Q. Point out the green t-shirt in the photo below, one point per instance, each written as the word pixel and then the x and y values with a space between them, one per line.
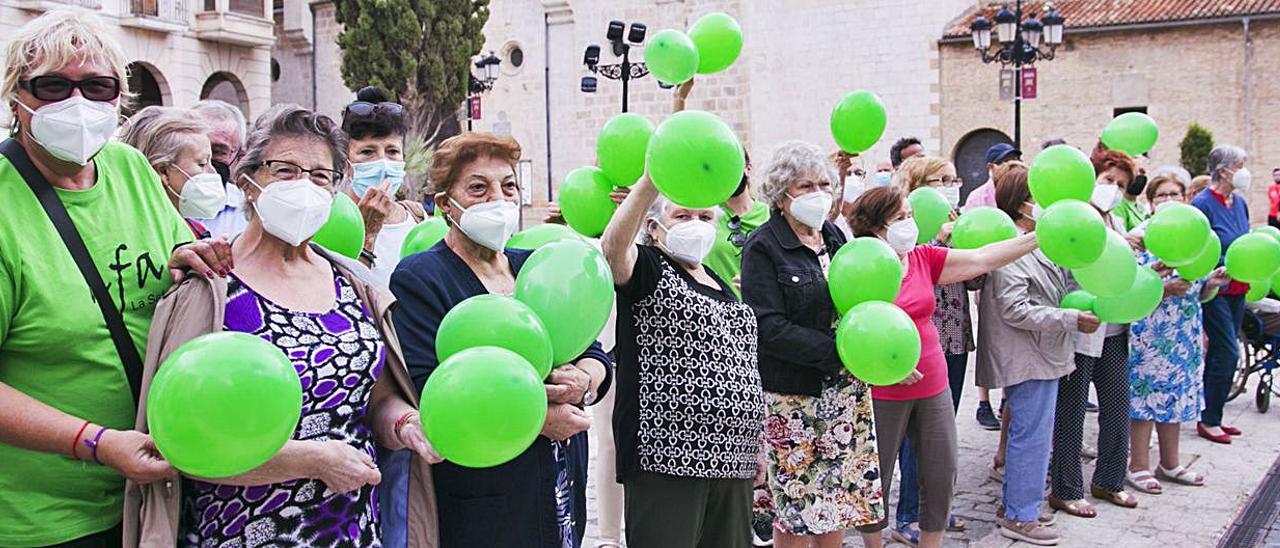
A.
pixel 1131 213
pixel 54 344
pixel 725 257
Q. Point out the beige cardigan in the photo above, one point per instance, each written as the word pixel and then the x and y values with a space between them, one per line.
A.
pixel 1022 333
pixel 195 307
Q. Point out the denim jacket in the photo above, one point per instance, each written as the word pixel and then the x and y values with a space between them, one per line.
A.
pixel 783 281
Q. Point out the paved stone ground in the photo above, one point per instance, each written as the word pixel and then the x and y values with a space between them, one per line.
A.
pixel 1182 516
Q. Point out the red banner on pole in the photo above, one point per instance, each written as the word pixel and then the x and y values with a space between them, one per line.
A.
pixel 473 107
pixel 1028 82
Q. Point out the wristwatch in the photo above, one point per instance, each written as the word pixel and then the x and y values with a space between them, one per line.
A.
pixel 588 397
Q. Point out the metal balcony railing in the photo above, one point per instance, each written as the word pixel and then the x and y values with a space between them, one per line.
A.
pixel 172 11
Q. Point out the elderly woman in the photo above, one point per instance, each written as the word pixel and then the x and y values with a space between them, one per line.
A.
pixel 543 491
pixel 955 330
pixel 1102 357
pixel 100 269
pixel 324 313
pixel 1224 202
pixel 1026 346
pixel 375 129
pixel 917 408
pixel 227 132
pixel 688 409
pixel 176 144
pixel 1166 350
pixel 821 453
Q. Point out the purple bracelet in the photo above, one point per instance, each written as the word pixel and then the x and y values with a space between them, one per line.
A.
pixel 93 445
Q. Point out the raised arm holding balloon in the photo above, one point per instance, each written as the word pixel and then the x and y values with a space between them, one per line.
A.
pixel 461 328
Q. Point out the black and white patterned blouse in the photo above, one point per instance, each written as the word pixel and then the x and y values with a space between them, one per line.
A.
pixel 689 401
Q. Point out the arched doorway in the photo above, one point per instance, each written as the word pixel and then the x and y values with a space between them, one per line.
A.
pixel 147 85
pixel 970 157
pixel 225 86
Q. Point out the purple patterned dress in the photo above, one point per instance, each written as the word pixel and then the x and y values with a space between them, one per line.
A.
pixel 339 356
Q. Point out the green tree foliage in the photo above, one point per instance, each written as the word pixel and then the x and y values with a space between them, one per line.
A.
pixel 419 50
pixel 1195 149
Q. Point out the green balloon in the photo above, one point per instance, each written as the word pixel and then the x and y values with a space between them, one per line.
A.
pixel 483 406
pixel 878 343
pixel 621 146
pixel 718 38
pixel 424 236
pixel 223 404
pixel 1205 263
pixel 1135 303
pixel 538 236
pixel 1133 133
pixel 1268 230
pixel 1274 285
pixel 1079 300
pixel 1257 291
pixel 584 201
pixel 1071 234
pixel 981 226
pixel 858 121
pixel 695 159
pixel 495 320
pixel 930 211
pixel 865 269
pixel 569 286
pixel 1177 234
pixel 343 233
pixel 1113 272
pixel 1060 172
pixel 1253 258
pixel 672 57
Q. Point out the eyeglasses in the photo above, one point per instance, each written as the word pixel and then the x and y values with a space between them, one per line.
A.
pixel 1174 195
pixel 737 236
pixel 946 181
pixel 282 170
pixel 365 108
pixel 57 88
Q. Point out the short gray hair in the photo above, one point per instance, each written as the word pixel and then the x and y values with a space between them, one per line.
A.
pixel 1178 172
pixel 218 111
pixel 291 121
pixel 791 160
pixel 655 212
pixel 1222 157
pixel 162 133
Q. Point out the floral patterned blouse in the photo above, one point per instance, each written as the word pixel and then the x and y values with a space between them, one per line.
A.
pixel 951 313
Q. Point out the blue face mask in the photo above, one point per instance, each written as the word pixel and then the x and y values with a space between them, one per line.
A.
pixel 883 178
pixel 368 175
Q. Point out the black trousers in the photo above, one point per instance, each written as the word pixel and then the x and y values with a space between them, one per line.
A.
pixel 1110 376
pixel 672 512
pixel 111 538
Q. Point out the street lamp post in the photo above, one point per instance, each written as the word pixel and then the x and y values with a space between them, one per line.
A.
pixel 481 80
pixel 624 71
pixel 1019 46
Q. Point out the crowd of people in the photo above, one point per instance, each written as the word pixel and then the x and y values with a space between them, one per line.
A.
pixel 724 413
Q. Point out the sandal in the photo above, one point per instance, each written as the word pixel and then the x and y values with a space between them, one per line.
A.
pixel 955 523
pixel 1079 508
pixel 906 533
pixel 608 544
pixel 1181 474
pixel 996 473
pixel 1142 480
pixel 1118 498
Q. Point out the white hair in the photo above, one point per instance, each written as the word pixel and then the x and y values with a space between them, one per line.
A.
pixel 217 111
pixel 1223 157
pixel 790 161
pixel 54 40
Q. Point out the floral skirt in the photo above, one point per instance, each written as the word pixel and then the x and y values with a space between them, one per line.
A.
pixel 823 467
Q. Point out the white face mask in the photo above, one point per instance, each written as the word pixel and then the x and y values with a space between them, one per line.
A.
pixel 1242 180
pixel 202 196
pixel 811 209
pixel 74 129
pixel 489 224
pixel 853 188
pixel 902 235
pixel 690 241
pixel 1036 212
pixel 292 210
pixel 1105 196
pixel 951 193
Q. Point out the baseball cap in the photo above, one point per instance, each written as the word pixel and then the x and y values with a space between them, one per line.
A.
pixel 999 151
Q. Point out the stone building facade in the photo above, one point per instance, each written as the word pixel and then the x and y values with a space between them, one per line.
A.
pixel 1217 71
pixel 799 58
pixel 180 51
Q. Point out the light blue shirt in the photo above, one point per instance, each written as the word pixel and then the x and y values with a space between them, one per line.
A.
pixel 231 221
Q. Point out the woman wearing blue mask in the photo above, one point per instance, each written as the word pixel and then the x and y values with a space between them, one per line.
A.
pixel 376 129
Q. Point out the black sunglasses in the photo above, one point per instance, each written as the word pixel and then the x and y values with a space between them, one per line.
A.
pixel 57 88
pixel 365 108
pixel 736 236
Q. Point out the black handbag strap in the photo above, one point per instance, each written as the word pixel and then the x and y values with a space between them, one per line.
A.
pixel 80 254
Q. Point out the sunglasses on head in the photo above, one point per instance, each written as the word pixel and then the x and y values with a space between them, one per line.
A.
pixel 365 108
pixel 737 236
pixel 57 88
